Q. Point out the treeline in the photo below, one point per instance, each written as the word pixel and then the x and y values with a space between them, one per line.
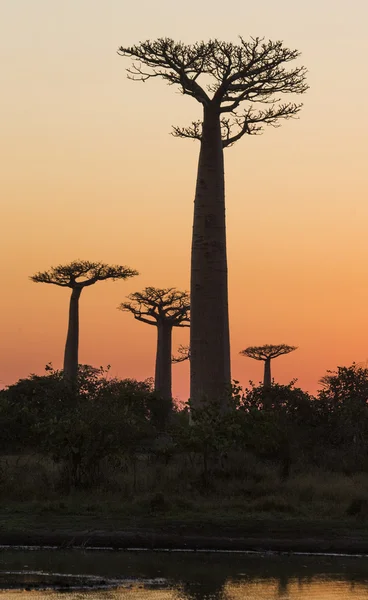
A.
pixel 107 422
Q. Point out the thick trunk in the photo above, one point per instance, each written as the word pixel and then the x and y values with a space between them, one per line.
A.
pixel 163 361
pixel 267 374
pixel 72 340
pixel 209 330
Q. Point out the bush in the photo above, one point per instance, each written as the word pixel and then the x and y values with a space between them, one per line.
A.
pixel 79 428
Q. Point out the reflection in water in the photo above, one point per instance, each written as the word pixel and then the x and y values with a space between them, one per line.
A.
pixel 257 590
pixel 313 590
pixel 283 586
pixel 181 576
pixel 205 584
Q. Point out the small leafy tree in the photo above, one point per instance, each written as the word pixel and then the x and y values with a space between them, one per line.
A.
pixel 240 93
pixel 343 408
pixel 345 385
pixel 163 308
pixel 266 353
pixel 213 432
pixel 25 404
pixel 77 275
pixel 79 428
pixel 279 424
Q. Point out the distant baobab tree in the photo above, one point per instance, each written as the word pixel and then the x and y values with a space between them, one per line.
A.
pixel 244 76
pixel 164 308
pixel 78 275
pixel 267 353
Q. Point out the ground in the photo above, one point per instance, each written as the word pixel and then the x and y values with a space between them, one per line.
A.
pixel 65 525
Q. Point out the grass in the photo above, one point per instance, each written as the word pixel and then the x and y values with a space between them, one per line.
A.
pixel 175 496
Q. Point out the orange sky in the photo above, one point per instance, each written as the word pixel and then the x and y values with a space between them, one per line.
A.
pixel 89 170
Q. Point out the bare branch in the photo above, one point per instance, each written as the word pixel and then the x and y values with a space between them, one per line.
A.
pixel 184 354
pixel 251 72
pixel 251 122
pixel 138 314
pixel 194 131
pixel 174 62
pixel 160 305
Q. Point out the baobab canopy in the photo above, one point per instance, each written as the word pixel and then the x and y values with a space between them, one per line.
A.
pixel 251 71
pixel 268 351
pixel 159 304
pixel 82 273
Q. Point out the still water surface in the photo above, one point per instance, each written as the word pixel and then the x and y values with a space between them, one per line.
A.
pixel 120 575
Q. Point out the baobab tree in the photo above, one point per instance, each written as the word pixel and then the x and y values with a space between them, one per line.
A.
pixel 78 275
pixel 244 77
pixel 267 353
pixel 163 308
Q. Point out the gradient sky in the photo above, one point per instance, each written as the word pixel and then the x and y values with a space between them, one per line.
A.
pixel 89 170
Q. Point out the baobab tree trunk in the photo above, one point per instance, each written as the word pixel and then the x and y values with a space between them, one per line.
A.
pixel 267 374
pixel 209 331
pixel 163 361
pixel 72 340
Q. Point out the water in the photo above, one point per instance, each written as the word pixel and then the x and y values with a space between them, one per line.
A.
pixel 133 575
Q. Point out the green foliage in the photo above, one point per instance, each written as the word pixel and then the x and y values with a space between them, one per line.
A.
pixel 286 399
pixel 347 384
pixel 213 428
pixel 109 423
pixel 276 421
pixel 343 408
pixel 27 403
pixel 79 428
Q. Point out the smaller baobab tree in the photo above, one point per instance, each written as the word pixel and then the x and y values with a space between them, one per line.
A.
pixel 78 275
pixel 267 353
pixel 163 308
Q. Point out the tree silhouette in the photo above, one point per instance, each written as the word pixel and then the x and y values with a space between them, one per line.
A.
pixel 251 73
pixel 267 353
pixel 78 275
pixel 164 308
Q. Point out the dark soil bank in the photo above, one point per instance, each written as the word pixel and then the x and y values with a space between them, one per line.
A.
pixel 258 536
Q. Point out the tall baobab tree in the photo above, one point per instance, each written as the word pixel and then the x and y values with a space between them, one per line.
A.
pixel 164 308
pixel 248 80
pixel 267 353
pixel 78 275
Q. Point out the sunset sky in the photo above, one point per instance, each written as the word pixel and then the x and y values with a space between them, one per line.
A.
pixel 89 170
